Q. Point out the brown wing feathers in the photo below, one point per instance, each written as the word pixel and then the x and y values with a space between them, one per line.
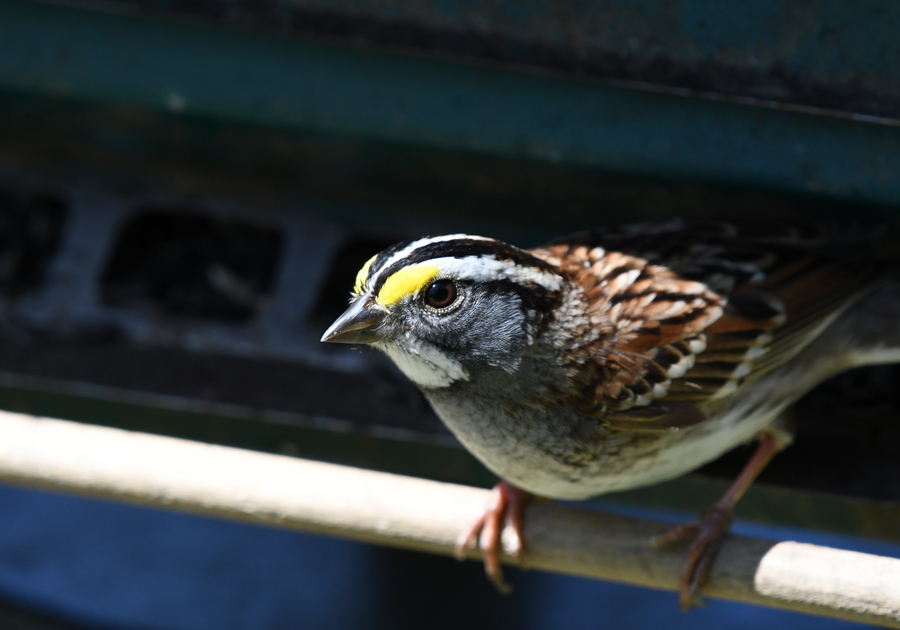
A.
pixel 690 311
pixel 652 324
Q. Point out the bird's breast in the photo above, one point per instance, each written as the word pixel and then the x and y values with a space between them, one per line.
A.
pixel 559 452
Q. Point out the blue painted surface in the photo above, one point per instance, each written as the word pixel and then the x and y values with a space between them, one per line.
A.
pixel 121 567
pixel 231 75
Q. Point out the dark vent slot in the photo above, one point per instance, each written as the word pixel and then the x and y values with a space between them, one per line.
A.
pixel 195 266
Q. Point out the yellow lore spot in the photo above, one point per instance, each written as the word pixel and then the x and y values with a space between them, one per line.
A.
pixel 362 276
pixel 408 280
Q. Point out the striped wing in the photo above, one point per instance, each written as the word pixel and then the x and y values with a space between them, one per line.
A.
pixel 686 313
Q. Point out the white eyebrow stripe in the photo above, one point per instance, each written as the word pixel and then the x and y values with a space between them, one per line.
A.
pixel 487 268
pixel 406 251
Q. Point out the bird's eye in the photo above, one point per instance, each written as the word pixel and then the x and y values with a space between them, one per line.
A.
pixel 440 294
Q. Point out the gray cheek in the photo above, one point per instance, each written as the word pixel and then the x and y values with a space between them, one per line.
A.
pixel 486 332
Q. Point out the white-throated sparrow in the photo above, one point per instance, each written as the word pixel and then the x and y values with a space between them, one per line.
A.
pixel 614 358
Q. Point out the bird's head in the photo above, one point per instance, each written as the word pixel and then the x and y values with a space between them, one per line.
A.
pixel 445 308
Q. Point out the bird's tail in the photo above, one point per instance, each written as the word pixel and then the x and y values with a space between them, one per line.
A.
pixel 869 332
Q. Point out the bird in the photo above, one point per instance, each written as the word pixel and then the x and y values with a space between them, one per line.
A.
pixel 620 357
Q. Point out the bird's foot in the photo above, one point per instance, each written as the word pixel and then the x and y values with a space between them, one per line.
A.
pixel 498 528
pixel 707 533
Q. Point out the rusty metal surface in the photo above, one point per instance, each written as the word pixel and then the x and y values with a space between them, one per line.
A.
pixel 830 55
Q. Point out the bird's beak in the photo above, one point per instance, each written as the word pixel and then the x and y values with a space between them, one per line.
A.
pixel 358 324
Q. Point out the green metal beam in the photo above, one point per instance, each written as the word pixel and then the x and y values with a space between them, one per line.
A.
pixel 230 75
pixel 833 55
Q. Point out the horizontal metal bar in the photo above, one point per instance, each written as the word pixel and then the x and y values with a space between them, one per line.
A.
pixel 231 75
pixel 418 453
pixel 417 514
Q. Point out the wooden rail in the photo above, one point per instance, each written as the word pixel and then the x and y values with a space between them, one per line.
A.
pixel 414 513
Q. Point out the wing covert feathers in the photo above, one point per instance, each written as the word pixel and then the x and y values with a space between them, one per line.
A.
pixel 685 313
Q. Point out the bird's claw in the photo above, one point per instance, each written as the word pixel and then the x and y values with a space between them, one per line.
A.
pixel 707 533
pixel 498 528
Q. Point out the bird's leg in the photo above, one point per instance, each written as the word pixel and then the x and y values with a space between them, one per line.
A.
pixel 503 512
pixel 708 530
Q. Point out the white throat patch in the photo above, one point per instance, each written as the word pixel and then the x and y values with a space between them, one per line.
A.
pixel 425 365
